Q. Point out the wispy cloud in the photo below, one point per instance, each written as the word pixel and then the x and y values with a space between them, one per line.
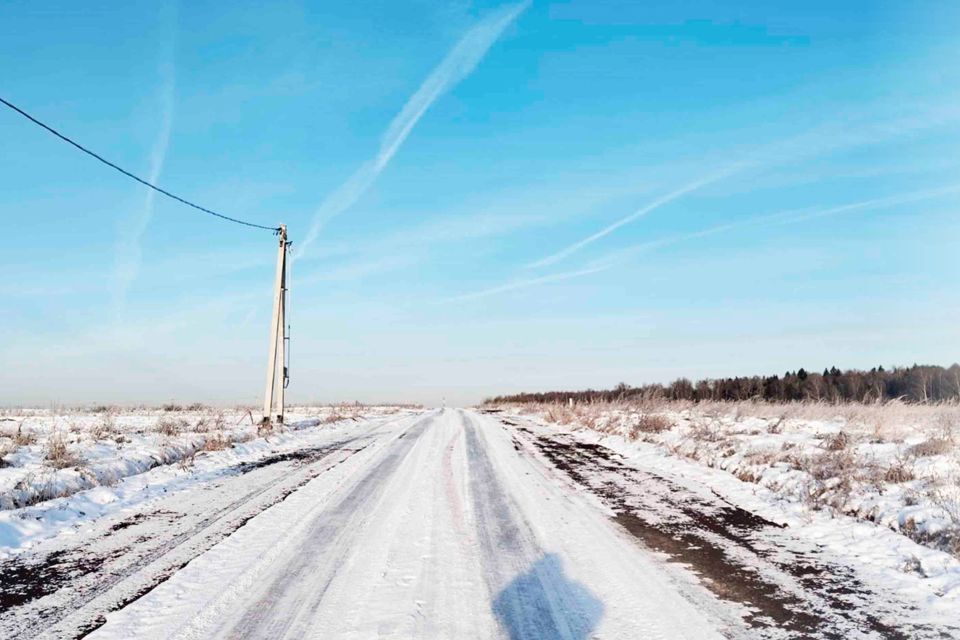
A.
pixel 441 230
pixel 530 282
pixel 793 216
pixel 642 211
pixel 129 253
pixel 457 65
pixel 827 138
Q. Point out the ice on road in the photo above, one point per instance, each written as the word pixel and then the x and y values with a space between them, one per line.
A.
pixel 440 528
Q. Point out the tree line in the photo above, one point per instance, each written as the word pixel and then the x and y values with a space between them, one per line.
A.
pixel 918 384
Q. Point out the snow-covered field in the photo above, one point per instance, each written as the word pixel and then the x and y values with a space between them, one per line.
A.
pixel 48 456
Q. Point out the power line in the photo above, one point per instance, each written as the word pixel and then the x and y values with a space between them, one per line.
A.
pixel 130 175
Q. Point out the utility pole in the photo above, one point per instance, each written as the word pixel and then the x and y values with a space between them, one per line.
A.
pixel 277 360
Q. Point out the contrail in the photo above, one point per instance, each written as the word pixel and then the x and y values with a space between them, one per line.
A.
pixel 812 143
pixel 792 216
pixel 889 201
pixel 522 284
pixel 128 248
pixel 644 210
pixel 458 64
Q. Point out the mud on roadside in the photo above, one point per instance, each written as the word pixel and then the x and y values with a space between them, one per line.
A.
pixel 740 557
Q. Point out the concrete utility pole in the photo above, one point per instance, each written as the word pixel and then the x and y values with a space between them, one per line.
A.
pixel 277 360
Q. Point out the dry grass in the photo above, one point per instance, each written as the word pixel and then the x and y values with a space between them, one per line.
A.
pixel 837 441
pixel 649 423
pixel 186 462
pixel 104 408
pixel 948 425
pixel 216 442
pixel 946 495
pixel 264 429
pixel 713 431
pixel 899 472
pixel 707 429
pixel 105 428
pixel 884 422
pixel 341 412
pixel 932 447
pixel 24 438
pixel 57 454
pixel 559 414
pixel 835 474
pixel 170 427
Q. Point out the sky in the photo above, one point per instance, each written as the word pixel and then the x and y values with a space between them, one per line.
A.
pixel 483 198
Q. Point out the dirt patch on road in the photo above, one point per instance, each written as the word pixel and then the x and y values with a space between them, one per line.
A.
pixel 27 578
pixel 303 456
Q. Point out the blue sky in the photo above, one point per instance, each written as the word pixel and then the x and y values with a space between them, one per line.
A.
pixel 483 197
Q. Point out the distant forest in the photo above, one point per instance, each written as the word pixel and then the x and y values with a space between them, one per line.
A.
pixel 919 383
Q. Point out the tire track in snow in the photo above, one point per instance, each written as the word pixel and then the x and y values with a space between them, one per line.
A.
pixel 67 592
pixel 373 549
pixel 541 604
pixel 287 602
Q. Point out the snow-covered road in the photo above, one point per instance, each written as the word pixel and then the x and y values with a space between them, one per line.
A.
pixel 438 529
pixel 448 524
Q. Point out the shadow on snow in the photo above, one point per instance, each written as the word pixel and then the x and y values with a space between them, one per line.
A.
pixel 543 604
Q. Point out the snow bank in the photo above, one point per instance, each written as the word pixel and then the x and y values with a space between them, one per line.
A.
pixel 60 468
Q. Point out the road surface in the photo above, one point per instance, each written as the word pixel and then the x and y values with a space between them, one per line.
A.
pixel 445 524
pixel 439 529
